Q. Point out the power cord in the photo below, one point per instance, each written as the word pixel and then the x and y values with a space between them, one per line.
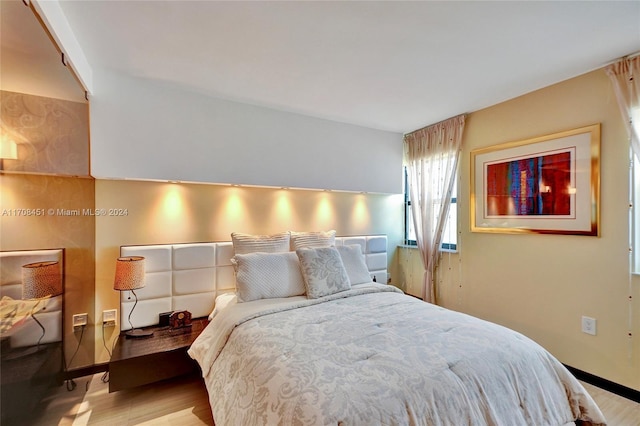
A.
pixel 105 376
pixel 70 383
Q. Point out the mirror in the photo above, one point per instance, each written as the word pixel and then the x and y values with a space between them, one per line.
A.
pixel 31 328
pixel 44 124
pixel 44 113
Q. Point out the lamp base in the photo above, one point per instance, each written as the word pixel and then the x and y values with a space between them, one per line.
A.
pixel 138 333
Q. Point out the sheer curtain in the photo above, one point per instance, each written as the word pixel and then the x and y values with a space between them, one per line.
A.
pixel 625 75
pixel 431 156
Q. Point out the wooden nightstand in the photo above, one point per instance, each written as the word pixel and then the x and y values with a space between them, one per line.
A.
pixel 140 361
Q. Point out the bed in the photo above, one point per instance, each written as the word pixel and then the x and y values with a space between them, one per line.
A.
pixel 346 350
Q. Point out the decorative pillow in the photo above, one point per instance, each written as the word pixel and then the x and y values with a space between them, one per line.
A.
pixel 312 239
pixel 267 275
pixel 354 263
pixel 222 301
pixel 247 243
pixel 323 271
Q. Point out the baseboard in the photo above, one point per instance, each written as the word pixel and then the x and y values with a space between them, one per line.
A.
pixel 86 371
pixel 605 384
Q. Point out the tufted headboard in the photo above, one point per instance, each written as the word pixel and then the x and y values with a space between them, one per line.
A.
pixel 191 276
pixel 27 332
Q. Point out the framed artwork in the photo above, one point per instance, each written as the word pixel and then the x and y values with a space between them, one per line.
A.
pixel 547 185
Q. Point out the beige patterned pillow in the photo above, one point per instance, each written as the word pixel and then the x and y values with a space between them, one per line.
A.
pixel 247 243
pixel 267 276
pixel 323 271
pixel 312 239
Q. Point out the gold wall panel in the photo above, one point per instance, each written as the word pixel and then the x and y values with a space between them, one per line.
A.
pixel 52 135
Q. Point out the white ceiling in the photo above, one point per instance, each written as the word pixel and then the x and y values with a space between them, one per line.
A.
pixel 387 65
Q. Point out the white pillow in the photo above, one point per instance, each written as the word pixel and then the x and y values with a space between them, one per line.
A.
pixel 247 243
pixel 312 239
pixel 354 263
pixel 222 301
pixel 323 271
pixel 267 275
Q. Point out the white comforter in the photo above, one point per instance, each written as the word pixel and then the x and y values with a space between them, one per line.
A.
pixel 373 356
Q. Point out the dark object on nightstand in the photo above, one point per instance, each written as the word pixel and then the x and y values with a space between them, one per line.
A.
pixel 137 362
pixel 180 319
pixel 163 319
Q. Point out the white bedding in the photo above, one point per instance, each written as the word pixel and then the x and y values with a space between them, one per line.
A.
pixel 373 356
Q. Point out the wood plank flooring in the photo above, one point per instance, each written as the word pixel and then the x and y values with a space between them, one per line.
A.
pixel 181 401
pixel 184 402
pixel 617 410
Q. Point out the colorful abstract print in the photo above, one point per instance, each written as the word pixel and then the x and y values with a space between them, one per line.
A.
pixel 535 186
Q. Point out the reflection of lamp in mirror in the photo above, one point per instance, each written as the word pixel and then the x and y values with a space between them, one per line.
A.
pixel 8 149
pixel 40 281
pixel 130 277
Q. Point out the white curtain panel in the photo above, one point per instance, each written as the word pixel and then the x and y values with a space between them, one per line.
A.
pixel 431 157
pixel 625 75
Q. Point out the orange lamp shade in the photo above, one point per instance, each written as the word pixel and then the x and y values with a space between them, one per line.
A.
pixel 129 273
pixel 41 279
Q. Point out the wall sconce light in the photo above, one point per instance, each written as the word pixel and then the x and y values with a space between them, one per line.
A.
pixel 130 277
pixel 8 150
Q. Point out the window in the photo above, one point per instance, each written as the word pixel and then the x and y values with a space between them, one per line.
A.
pixel 635 197
pixel 450 236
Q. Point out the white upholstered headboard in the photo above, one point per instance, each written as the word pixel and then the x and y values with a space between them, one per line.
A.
pixel 191 276
pixel 27 333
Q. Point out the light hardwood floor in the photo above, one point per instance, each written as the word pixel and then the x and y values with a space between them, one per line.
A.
pixel 184 402
pixel 617 410
pixel 181 401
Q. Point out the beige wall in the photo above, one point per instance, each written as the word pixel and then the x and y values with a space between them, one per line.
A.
pixel 541 285
pixel 160 213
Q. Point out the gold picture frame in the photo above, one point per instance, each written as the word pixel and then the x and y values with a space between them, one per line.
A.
pixel 546 185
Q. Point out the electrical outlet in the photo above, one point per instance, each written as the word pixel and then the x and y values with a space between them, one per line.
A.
pixel 109 317
pixel 79 320
pixel 589 325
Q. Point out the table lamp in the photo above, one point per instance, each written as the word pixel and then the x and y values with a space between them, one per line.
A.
pixel 130 277
pixel 41 280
